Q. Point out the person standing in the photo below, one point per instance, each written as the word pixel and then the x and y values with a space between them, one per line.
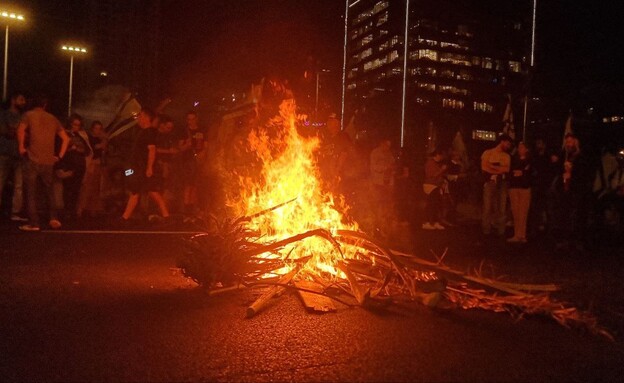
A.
pixel 543 167
pixel 495 165
pixel 433 188
pixel 570 192
pixel 382 168
pixel 42 128
pixel 166 151
pixel 520 192
pixel 191 147
pixel 90 198
pixel 72 168
pixel 10 161
pixel 142 175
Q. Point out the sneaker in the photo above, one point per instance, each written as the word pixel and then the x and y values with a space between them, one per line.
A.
pixel 55 224
pixel 514 240
pixel 428 226
pixel 154 218
pixel 29 227
pixel 437 226
pixel 18 218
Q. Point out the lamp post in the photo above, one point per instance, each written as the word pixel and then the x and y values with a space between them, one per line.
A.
pixel 72 50
pixel 7 17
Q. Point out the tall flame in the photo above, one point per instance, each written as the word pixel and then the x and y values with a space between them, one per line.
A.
pixel 290 173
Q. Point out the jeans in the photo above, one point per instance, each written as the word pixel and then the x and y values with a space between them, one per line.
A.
pixel 52 185
pixel 8 165
pixel 494 206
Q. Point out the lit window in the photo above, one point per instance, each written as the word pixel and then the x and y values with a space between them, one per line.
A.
pixel 454 58
pixel 483 135
pixel 426 86
pixel 450 45
pixel 514 66
pixel 422 101
pixel 393 56
pixel 452 103
pixel 487 63
pixel 366 53
pixel 431 43
pixel 382 19
pixel 380 6
pixel 366 40
pixel 482 107
pixel 452 89
pixel 427 54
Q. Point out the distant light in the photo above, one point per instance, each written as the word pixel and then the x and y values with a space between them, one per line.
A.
pixel 73 48
pixel 196 103
pixel 103 74
pixel 12 15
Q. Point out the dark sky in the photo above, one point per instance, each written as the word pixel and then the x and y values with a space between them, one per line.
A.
pixel 214 46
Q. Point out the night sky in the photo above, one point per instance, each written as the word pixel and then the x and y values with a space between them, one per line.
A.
pixel 212 47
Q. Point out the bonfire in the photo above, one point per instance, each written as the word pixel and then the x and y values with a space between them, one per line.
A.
pixel 291 234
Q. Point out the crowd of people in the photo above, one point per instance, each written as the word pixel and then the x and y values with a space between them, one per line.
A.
pixel 62 168
pixel 532 190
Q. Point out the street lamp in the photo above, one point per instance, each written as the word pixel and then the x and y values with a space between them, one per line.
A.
pixel 8 17
pixel 72 50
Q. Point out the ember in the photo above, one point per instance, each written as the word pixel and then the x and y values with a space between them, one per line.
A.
pixel 291 235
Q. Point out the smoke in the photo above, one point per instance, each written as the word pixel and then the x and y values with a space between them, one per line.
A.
pixel 102 104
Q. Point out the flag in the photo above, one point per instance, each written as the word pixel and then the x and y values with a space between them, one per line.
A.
pixel 568 128
pixel 125 118
pixel 508 124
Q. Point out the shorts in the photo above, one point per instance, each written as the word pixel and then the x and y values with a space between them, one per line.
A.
pixel 138 182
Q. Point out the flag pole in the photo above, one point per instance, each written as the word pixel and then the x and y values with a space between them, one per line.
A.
pixel 530 73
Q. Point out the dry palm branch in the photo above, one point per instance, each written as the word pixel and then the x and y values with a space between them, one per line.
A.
pixel 234 256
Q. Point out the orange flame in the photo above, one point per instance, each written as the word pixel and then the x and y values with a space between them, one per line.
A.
pixel 292 174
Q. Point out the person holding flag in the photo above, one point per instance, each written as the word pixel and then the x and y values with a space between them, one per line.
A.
pixel 570 192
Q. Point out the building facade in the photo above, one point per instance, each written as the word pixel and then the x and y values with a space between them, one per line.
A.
pixel 462 61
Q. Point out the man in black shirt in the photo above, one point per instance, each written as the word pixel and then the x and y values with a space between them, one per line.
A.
pixel 141 174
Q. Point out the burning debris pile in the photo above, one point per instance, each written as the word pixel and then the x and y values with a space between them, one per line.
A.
pixel 292 235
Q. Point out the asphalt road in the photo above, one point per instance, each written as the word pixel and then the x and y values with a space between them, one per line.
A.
pixel 95 307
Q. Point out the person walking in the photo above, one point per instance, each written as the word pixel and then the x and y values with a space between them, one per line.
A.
pixel 42 128
pixel 495 165
pixel 520 192
pixel 142 175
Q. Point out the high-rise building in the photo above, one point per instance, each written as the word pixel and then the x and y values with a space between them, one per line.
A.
pixel 462 61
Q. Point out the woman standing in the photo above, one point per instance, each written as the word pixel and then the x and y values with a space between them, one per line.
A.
pixel 520 192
